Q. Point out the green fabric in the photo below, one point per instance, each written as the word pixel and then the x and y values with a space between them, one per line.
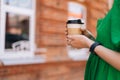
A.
pixel 108 33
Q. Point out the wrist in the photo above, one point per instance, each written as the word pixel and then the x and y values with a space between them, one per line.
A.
pixel 89 43
pixel 93 46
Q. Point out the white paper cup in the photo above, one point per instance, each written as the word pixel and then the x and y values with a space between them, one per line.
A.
pixel 74 26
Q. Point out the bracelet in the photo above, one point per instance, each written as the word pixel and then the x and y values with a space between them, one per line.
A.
pixel 93 46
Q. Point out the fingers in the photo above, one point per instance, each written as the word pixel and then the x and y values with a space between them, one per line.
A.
pixel 66 31
pixel 71 37
pixel 69 41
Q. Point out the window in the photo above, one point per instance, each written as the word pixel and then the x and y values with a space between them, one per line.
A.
pixel 19 3
pixel 17 28
pixel 77 11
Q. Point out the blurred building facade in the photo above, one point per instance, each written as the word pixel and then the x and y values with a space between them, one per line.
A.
pixel 50 42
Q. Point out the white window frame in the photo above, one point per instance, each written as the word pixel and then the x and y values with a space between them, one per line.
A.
pixel 22 11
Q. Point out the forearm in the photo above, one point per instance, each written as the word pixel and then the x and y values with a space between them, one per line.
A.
pixel 111 57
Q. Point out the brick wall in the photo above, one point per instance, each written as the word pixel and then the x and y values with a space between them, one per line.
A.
pixel 96 9
pixel 47 71
pixel 51 16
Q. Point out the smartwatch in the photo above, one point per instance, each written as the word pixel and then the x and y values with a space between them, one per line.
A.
pixel 93 46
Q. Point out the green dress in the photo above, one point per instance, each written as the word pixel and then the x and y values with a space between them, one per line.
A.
pixel 108 33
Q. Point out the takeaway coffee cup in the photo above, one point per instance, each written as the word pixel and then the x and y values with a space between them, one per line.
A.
pixel 73 27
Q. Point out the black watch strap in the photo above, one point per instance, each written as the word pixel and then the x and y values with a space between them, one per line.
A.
pixel 93 46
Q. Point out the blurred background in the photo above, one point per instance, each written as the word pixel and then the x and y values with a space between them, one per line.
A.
pixel 33 43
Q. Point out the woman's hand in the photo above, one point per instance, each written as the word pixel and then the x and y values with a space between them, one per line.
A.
pixel 79 41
